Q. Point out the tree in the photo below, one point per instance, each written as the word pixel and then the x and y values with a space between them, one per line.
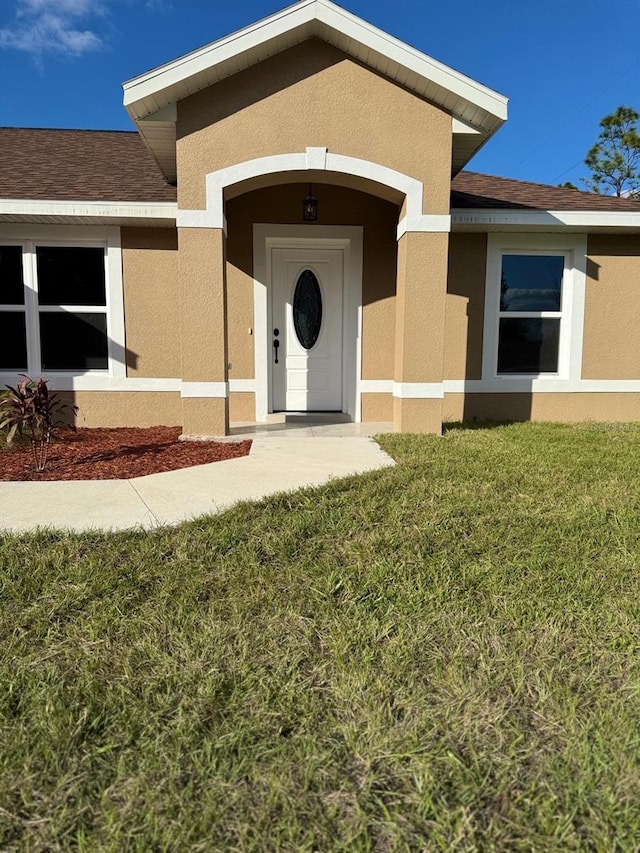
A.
pixel 567 185
pixel 614 160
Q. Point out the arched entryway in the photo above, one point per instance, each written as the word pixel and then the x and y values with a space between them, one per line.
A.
pixel 357 363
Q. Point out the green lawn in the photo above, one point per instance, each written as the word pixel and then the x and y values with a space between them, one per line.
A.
pixel 442 656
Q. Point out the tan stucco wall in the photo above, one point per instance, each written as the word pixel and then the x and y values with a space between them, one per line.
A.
pixel 377 407
pixel 420 327
pixel 205 417
pixel 420 307
pixel 151 301
pixel 126 408
pixel 150 408
pixel 242 407
pixel 418 416
pixel 202 304
pixel 337 206
pixel 151 292
pixel 465 306
pixel 203 311
pixel 611 348
pixel 312 95
pixel 568 408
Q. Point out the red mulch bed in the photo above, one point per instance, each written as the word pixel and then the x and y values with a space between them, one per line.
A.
pixel 117 454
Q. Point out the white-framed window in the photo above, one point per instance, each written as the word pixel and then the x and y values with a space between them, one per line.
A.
pixel 13 310
pixel 61 302
pixel 534 307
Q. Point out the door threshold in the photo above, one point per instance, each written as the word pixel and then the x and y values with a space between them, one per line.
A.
pixel 309 417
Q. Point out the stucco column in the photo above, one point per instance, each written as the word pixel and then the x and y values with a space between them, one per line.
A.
pixel 203 312
pixel 420 322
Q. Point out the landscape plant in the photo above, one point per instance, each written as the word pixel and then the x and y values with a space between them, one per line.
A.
pixel 31 410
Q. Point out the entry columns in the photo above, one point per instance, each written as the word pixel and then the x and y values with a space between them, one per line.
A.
pixel 203 320
pixel 420 323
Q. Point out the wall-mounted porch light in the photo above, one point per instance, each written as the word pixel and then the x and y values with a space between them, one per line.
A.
pixel 310 207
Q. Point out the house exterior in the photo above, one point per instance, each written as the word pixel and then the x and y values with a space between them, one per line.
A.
pixel 292 228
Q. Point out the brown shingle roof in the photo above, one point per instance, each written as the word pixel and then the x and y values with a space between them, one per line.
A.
pixel 112 165
pixel 79 165
pixel 473 190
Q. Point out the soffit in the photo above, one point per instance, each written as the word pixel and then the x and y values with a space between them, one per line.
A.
pixel 150 98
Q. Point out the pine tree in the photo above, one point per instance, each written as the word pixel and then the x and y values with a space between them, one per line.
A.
pixel 614 160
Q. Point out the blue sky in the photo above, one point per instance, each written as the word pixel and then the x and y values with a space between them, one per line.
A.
pixel 562 63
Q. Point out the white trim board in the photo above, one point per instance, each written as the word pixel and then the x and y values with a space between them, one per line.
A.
pixel 508 385
pixel 52 211
pixel 468 100
pixel 151 98
pixel 522 385
pixel 543 220
pixel 102 382
pixel 317 159
pixel 573 247
pixel 376 386
pixel 348 238
pixel 91 211
pixel 107 238
pixel 503 385
pixel 418 390
pixel 190 390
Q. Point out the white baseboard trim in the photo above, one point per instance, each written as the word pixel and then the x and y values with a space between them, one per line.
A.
pixel 517 385
pixel 403 390
pixel 189 390
pixel 242 385
pixel 418 390
pixel 375 386
pixel 430 223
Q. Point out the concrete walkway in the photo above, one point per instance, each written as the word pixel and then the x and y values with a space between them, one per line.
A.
pixel 283 458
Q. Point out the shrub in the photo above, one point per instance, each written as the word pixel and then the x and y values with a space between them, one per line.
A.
pixel 31 410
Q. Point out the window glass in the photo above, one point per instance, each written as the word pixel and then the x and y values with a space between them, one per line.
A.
pixel 11 280
pixel 531 282
pixel 13 341
pixel 70 276
pixel 307 309
pixel 528 345
pixel 73 341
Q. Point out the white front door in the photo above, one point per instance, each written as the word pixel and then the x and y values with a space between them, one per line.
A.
pixel 307 329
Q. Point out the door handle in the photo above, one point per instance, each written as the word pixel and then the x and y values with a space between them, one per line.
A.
pixel 276 345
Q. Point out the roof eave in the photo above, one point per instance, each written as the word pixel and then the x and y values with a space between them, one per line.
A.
pixel 537 220
pixel 55 211
pixel 464 98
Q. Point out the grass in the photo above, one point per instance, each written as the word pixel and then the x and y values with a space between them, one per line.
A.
pixel 442 656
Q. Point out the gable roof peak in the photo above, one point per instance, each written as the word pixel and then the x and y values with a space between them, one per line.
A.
pixel 150 99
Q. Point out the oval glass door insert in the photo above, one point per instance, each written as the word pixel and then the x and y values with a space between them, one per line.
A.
pixel 307 309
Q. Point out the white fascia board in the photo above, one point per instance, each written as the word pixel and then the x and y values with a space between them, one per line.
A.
pixel 309 12
pixel 414 60
pixel 213 54
pixel 487 220
pixel 89 209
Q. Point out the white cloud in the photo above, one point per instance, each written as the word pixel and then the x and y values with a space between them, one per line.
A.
pixel 158 5
pixel 61 7
pixel 53 26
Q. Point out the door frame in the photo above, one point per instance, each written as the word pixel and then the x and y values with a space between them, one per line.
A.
pixel 326 355
pixel 348 238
